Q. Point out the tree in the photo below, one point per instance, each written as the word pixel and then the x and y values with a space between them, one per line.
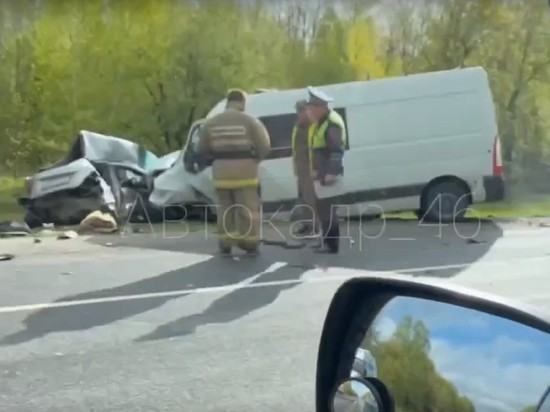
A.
pixel 404 365
pixel 363 52
pixel 147 71
pixel 326 58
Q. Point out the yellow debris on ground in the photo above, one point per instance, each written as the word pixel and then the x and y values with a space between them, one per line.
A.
pixel 99 222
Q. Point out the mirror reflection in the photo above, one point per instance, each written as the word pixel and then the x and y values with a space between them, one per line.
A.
pixel 364 364
pixel 354 395
pixel 439 357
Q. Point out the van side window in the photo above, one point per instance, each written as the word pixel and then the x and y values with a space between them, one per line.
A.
pixel 280 131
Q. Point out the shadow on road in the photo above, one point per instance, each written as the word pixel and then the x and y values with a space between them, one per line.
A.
pixel 391 245
pixel 403 246
pixel 230 307
pixel 215 272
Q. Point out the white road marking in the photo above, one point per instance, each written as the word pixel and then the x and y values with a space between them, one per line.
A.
pixel 359 272
pixel 321 276
pixel 542 231
pixel 272 268
pixel 465 265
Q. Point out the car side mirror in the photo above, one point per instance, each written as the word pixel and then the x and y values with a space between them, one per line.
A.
pixel 430 347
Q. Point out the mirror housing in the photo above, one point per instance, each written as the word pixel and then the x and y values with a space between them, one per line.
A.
pixel 358 301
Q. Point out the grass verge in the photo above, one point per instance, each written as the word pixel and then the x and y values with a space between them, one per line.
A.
pixel 506 209
pixel 10 190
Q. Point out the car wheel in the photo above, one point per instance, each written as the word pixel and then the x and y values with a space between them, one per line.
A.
pixel 445 202
pixel 32 220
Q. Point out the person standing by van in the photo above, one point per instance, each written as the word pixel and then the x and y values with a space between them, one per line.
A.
pixel 328 146
pixel 302 164
pixel 236 142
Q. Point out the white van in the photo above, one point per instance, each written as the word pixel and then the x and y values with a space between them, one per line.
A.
pixel 425 142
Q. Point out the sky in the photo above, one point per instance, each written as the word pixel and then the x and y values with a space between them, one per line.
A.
pixel 502 366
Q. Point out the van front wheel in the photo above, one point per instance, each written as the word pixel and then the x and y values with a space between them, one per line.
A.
pixel 444 202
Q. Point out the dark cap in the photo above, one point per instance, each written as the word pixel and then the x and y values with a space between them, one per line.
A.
pixel 301 105
pixel 317 97
pixel 236 95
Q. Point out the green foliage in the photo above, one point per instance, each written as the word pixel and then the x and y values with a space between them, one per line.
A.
pixel 405 367
pixel 146 70
pixel 10 190
pixel 347 389
pixel 529 409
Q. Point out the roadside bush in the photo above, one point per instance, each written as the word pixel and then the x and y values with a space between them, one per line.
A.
pixel 10 189
pixel 13 185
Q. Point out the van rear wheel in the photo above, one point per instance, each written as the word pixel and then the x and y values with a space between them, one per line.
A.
pixel 444 202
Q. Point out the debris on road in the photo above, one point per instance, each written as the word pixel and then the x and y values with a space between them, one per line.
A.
pixel 69 234
pixel 472 241
pixel 10 229
pixel 99 222
pixel 6 256
pixel 94 222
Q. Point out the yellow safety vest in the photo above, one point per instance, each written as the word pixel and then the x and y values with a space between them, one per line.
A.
pixel 311 131
pixel 318 141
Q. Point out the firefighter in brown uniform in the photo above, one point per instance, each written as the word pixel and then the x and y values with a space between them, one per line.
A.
pixel 236 142
pixel 328 146
pixel 302 164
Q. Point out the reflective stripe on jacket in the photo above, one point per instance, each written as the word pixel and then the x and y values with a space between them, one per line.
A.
pixel 236 183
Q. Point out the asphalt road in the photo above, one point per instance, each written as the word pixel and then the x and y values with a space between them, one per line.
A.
pixel 151 323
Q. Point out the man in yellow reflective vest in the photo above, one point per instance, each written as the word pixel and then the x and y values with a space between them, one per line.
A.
pixel 236 142
pixel 328 146
pixel 302 164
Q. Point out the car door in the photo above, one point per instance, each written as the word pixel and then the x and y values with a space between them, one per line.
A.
pixel 198 168
pixel 131 187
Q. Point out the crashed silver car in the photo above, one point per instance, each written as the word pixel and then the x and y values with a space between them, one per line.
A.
pixel 99 173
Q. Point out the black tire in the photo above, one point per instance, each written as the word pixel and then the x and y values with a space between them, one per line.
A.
pixel 444 202
pixel 32 220
pixel 175 213
pixel 209 215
